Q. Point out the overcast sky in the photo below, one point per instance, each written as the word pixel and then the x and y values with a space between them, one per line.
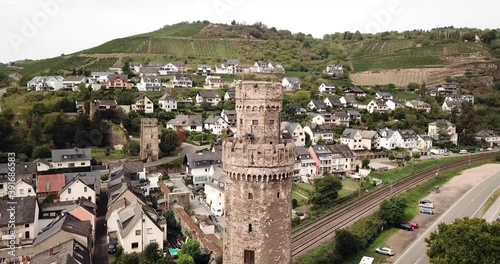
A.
pixel 46 28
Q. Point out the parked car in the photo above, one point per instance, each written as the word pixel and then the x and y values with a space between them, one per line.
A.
pixel 427 205
pixel 406 226
pixel 489 149
pixel 213 218
pixel 498 218
pixel 426 211
pixel 413 224
pixel 425 201
pixel 463 151
pixel 385 251
pixel 112 247
pixel 446 154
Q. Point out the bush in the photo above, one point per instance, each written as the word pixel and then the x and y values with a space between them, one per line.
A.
pixel 295 221
pixel 497 158
pixel 104 177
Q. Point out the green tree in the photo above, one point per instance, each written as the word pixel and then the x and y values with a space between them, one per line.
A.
pixel 308 140
pixel 416 155
pixel 467 241
pixel 407 157
pixel 185 259
pixel 132 148
pixel 169 141
pixel 5 131
pixel 392 157
pixel 295 203
pixel 467 125
pixel 346 243
pixel 192 248
pixel 365 163
pixel 41 152
pixel 326 190
pixel 151 253
pixel 392 210
pixel 320 142
pixel 131 258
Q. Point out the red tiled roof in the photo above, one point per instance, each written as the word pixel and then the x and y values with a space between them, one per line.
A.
pixel 55 182
pixel 164 188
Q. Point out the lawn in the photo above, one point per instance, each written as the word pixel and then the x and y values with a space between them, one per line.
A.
pixel 349 186
pixel 114 154
pixel 419 165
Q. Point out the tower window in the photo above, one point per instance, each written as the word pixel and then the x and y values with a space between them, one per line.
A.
pixel 271 122
pixel 249 228
pixel 250 196
pixel 255 122
pixel 278 195
pixel 241 121
pixel 249 257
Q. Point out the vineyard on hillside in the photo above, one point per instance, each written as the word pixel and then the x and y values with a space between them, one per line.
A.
pixel 101 64
pixel 199 48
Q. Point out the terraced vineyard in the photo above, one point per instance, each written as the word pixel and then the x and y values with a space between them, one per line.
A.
pixel 102 64
pixel 177 30
pixel 123 45
pixel 401 54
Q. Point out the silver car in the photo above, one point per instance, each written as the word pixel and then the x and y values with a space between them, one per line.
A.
pixel 385 251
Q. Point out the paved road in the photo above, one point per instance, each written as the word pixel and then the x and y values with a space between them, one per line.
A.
pixel 101 251
pixel 2 91
pixel 493 212
pixel 467 206
pixel 186 149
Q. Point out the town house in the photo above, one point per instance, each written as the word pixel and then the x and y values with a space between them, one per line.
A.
pixel 150 83
pixel 296 132
pixel 143 104
pixel 317 132
pixel 186 122
pixel 305 165
pixel 215 124
pixel 197 166
pixel 209 97
pixel 214 190
pixel 326 88
pixel 168 102
pixel 66 159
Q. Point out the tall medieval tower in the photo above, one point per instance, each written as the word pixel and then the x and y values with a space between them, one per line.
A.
pixel 150 148
pixel 258 166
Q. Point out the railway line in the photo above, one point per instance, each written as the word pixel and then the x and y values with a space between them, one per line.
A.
pixel 347 213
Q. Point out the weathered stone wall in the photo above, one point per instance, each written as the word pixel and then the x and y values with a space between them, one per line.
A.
pixel 150 148
pixel 259 172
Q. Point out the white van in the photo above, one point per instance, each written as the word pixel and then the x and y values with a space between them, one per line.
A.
pixel 463 151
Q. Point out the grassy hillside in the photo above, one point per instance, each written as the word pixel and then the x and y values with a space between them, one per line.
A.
pixel 178 30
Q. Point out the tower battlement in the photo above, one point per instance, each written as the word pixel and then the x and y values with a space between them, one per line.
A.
pixel 245 155
pixel 266 91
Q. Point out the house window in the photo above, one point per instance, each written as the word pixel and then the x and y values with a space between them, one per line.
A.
pixel 1 185
pixel 83 163
pixel 250 196
pixel 255 122
pixel 271 122
pixel 150 231
pixel 29 190
pixel 21 191
pixel 84 189
pixel 69 190
pixel 27 235
pixel 249 228
pixel 137 232
pixel 90 198
pixel 135 245
pixel 249 257
pixel 27 225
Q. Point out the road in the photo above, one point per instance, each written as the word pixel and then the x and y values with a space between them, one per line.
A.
pixel 186 149
pixel 2 91
pixel 467 206
pixel 493 212
pixel 101 251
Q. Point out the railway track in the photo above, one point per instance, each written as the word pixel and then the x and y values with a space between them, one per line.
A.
pixel 347 213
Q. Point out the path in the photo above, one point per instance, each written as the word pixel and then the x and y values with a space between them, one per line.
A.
pixel 467 206
pixel 301 195
pixel 186 149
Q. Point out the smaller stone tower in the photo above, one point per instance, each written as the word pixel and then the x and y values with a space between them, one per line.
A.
pixel 150 148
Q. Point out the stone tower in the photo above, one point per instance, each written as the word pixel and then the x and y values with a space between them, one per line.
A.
pixel 258 166
pixel 150 148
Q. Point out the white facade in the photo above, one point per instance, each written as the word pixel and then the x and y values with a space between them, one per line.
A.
pixel 217 125
pixel 144 104
pixel 214 101
pixel 149 83
pixel 214 82
pixel 43 83
pixel 41 166
pixel 376 106
pixel 24 189
pixel 390 142
pixel 433 131
pixel 143 233
pixel 75 190
pixel 327 88
pixel 299 136
pixel 168 103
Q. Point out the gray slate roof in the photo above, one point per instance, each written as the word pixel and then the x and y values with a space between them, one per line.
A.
pixel 168 96
pixel 301 151
pixel 349 133
pixel 69 252
pixel 74 154
pixel 208 94
pixel 67 223
pixel 25 213
pixel 203 159
pixel 186 120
